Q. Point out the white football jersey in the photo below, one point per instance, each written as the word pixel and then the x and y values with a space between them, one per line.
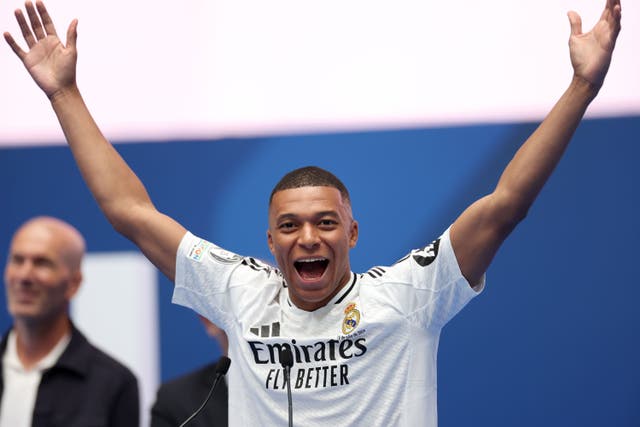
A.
pixel 366 358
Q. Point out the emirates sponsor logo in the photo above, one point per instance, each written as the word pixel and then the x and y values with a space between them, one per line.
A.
pixel 313 367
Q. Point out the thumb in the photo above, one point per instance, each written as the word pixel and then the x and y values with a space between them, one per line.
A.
pixel 576 23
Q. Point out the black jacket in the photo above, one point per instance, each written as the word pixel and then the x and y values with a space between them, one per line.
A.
pixel 85 388
pixel 179 398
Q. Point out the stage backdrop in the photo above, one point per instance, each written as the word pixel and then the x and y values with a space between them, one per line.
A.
pixel 217 68
pixel 552 341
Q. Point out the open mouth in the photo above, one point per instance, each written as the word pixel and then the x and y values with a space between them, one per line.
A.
pixel 312 268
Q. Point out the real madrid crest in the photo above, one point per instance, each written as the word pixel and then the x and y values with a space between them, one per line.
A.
pixel 351 318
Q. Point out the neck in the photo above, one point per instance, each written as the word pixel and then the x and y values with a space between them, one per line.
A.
pixel 35 339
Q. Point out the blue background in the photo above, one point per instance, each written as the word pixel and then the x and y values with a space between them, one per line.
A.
pixel 553 340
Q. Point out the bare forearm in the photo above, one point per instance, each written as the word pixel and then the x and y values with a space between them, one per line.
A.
pixel 118 191
pixel 536 159
pixel 113 184
pixel 478 233
pixel 480 230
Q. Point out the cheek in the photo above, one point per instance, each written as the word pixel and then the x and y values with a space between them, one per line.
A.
pixel 280 244
pixel 52 283
pixel 55 295
pixel 280 258
pixel 12 273
pixel 46 278
pixel 7 277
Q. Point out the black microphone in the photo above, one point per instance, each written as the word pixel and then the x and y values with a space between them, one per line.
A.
pixel 221 369
pixel 286 360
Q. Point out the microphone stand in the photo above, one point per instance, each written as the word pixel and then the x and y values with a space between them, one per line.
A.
pixel 221 369
pixel 286 360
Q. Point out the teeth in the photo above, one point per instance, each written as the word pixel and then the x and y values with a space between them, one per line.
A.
pixel 311 260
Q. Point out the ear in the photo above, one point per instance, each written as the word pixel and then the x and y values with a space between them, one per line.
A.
pixel 74 284
pixel 353 234
pixel 270 241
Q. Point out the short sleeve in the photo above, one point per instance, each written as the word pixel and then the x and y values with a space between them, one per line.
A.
pixel 427 284
pixel 217 283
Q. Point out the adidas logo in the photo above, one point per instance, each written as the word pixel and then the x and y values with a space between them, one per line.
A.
pixel 266 331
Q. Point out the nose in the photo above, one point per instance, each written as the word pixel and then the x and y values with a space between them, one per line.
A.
pixel 308 237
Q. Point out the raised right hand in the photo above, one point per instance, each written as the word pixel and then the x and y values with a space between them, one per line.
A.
pixel 50 63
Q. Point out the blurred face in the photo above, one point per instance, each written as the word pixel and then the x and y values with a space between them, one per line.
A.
pixel 216 333
pixel 39 280
pixel 310 234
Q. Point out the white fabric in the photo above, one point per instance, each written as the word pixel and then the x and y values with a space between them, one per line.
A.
pixel 379 371
pixel 21 385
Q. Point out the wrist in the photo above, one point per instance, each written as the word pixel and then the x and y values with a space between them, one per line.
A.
pixel 64 93
pixel 584 88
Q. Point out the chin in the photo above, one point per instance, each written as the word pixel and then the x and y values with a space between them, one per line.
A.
pixel 24 312
pixel 314 295
pixel 321 286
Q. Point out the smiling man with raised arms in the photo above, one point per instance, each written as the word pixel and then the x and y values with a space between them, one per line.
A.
pixel 364 345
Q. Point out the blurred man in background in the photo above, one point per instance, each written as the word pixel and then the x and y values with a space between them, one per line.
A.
pixel 51 374
pixel 179 398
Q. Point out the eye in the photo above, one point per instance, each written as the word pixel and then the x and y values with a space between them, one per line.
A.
pixel 327 223
pixel 287 226
pixel 17 259
pixel 43 262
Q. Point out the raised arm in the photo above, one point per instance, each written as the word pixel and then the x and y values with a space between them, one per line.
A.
pixel 118 191
pixel 478 233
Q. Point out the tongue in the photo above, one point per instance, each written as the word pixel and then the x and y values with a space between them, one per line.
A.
pixel 311 270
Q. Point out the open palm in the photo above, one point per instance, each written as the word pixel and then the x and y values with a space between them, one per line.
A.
pixel 50 63
pixel 591 51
